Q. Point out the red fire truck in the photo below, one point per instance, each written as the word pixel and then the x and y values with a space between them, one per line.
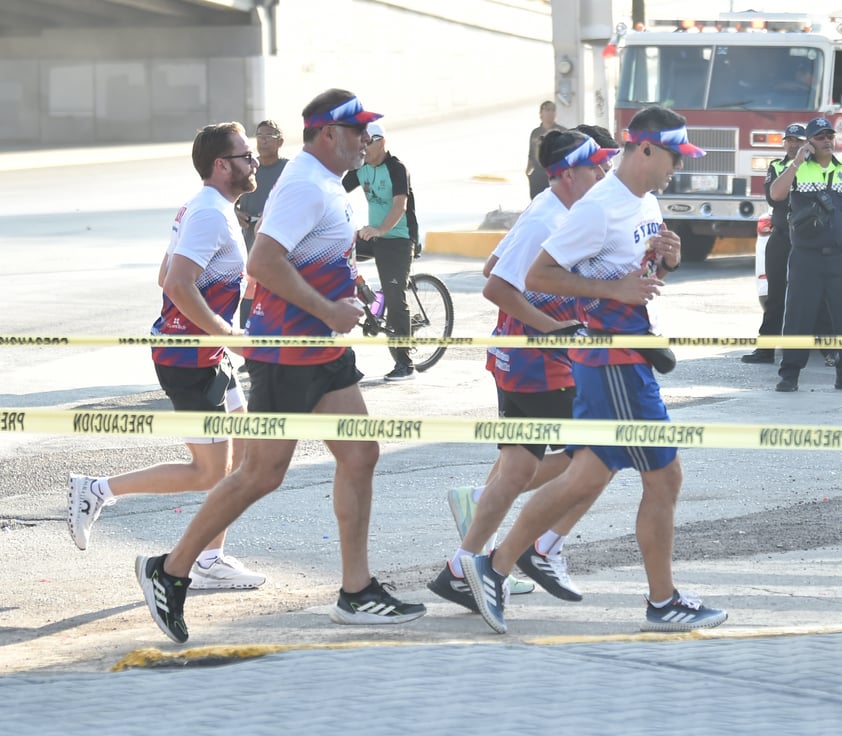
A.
pixel 739 80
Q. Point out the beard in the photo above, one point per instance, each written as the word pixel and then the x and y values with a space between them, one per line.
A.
pixel 244 184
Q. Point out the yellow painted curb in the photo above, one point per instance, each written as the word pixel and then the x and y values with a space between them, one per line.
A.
pixel 213 655
pixel 470 243
pixel 733 246
pixel 480 243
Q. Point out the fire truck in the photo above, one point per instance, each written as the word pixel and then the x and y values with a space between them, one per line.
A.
pixel 739 80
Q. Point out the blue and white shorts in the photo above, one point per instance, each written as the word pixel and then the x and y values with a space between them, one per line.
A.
pixel 622 392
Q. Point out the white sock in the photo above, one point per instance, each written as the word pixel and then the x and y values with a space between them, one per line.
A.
pixel 456 562
pixel 101 489
pixel 550 543
pixel 662 603
pixel 476 493
pixel 208 557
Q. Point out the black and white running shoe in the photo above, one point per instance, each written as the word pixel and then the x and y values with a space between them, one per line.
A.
pixel 453 589
pixel 682 613
pixel 550 572
pixel 164 596
pixel 374 605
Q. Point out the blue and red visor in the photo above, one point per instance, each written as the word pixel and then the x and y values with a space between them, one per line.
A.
pixel 675 139
pixel 588 153
pixel 349 112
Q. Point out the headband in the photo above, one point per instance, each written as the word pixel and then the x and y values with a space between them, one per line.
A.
pixel 349 111
pixel 675 139
pixel 587 153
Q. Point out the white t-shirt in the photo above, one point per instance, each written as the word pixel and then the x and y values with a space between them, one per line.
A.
pixel 606 236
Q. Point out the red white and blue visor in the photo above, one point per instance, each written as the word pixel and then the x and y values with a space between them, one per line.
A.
pixel 588 153
pixel 675 139
pixel 350 112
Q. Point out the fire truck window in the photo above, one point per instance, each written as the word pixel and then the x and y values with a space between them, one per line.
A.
pixel 837 79
pixel 772 78
pixel 685 72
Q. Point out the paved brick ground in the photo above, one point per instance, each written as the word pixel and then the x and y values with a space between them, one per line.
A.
pixel 704 688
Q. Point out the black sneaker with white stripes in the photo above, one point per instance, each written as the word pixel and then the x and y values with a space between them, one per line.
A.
pixel 164 595
pixel 550 572
pixel 682 613
pixel 453 589
pixel 374 605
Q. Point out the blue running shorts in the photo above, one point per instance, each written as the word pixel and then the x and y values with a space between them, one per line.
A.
pixel 622 392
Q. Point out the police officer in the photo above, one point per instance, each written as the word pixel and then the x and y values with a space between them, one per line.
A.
pixel 777 248
pixel 813 182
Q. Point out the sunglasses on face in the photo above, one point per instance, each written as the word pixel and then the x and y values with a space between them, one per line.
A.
pixel 247 157
pixel 358 128
pixel 676 157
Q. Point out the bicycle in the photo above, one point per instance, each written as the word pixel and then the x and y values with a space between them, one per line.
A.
pixel 430 315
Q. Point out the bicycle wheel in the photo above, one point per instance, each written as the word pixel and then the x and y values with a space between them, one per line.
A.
pixel 431 315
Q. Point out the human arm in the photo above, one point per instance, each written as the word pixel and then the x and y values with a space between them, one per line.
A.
pixel 489 265
pixel 512 301
pixel 179 285
pixel 392 218
pixel 667 247
pixel 269 264
pixel 545 274
pixel 779 189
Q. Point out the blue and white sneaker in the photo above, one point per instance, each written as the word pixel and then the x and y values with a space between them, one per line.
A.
pixel 682 613
pixel 490 589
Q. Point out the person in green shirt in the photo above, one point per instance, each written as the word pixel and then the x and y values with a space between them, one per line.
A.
pixel 390 235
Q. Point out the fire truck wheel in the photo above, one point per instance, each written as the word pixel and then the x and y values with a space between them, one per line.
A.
pixel 695 248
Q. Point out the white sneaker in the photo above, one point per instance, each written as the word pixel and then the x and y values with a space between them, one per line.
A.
pixel 225 573
pixel 83 508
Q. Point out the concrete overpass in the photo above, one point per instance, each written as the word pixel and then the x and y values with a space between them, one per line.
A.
pixel 31 16
pixel 82 72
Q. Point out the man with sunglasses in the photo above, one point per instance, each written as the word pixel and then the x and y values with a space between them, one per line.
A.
pixel 611 252
pixel 250 206
pixel 304 264
pixel 813 184
pixel 201 277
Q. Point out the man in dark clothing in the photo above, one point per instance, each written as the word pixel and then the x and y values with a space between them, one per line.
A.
pixel 813 183
pixel 777 248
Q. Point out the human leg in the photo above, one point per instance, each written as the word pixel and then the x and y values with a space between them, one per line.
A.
pixel 579 485
pixel 211 457
pixel 352 488
pixel 803 299
pixel 655 527
pixel 393 258
pixel 777 253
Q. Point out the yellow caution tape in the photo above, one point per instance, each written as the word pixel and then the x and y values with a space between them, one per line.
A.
pixel 414 429
pixel 508 341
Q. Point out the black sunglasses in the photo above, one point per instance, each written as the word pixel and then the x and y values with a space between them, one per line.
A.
pixel 676 157
pixel 358 128
pixel 248 157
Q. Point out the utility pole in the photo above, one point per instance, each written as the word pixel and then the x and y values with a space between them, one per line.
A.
pixel 639 13
pixel 581 29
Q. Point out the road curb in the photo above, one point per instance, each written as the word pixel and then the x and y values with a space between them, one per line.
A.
pixel 480 243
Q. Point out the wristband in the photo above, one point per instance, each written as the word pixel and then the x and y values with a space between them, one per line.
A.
pixel 667 268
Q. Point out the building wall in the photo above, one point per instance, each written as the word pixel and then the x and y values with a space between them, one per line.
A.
pixel 81 87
